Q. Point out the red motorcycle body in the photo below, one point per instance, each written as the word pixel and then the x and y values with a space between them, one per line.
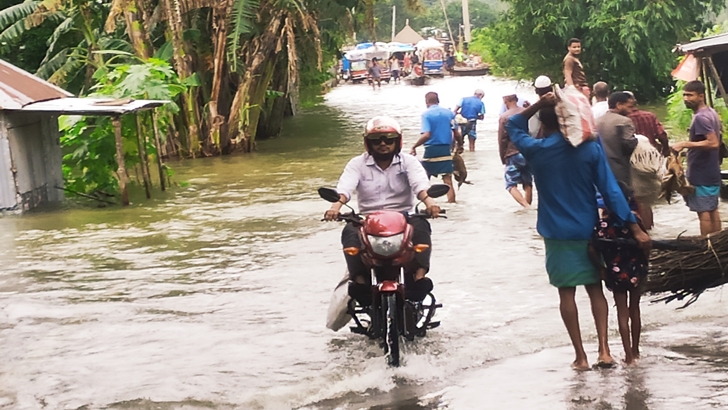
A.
pixel 378 226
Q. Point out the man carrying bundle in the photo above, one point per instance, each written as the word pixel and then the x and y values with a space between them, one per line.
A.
pixel 703 158
pixel 567 178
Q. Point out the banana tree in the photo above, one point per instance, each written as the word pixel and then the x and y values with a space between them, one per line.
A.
pixel 282 23
pixel 77 18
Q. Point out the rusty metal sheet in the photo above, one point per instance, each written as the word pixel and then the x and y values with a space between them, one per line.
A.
pixel 19 88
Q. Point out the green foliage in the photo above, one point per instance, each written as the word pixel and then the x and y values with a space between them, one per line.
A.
pixel 88 142
pixel 241 24
pixel 626 43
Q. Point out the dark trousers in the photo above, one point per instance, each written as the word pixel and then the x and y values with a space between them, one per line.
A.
pixel 421 234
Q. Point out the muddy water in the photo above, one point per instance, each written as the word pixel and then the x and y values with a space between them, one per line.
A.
pixel 215 294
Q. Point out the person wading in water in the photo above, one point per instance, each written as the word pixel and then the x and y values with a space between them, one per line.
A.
pixel 567 178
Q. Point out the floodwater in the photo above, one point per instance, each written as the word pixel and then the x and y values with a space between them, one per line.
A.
pixel 214 295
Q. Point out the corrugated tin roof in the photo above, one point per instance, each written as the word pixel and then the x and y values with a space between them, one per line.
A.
pixel 19 88
pixel 705 44
pixel 92 106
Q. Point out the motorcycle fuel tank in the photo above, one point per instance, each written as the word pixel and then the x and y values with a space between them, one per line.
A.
pixel 385 223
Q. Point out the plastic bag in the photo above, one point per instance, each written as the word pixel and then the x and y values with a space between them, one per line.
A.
pixel 648 169
pixel 338 315
pixel 575 115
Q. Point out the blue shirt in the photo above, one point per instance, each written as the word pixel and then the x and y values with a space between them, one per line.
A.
pixel 471 107
pixel 567 179
pixel 438 122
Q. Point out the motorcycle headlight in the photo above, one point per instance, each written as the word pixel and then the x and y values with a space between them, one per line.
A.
pixel 386 246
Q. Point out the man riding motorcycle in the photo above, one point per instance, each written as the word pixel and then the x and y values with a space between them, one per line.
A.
pixel 384 178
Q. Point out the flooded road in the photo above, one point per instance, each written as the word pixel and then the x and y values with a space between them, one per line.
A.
pixel 214 295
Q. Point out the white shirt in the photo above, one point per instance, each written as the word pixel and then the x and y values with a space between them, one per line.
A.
pixel 391 189
pixel 600 109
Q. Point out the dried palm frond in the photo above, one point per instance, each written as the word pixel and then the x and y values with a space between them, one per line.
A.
pixel 690 271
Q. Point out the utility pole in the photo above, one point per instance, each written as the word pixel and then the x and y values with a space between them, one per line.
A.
pixel 394 15
pixel 466 20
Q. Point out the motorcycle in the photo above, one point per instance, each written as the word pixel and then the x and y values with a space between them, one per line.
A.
pixel 387 249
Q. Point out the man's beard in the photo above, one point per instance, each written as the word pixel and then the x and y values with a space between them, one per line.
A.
pixel 382 157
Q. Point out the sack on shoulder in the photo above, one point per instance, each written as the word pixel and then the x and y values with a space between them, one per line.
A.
pixel 575 115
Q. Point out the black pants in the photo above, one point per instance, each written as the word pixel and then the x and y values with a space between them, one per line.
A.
pixel 415 290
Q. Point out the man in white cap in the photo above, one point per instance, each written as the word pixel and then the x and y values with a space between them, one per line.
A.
pixel 542 86
pixel 472 109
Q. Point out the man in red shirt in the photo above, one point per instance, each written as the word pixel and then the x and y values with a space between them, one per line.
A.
pixel 647 124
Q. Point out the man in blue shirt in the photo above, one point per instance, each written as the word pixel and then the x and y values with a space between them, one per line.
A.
pixel 567 178
pixel 438 129
pixel 472 109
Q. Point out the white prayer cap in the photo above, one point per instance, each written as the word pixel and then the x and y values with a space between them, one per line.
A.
pixel 542 82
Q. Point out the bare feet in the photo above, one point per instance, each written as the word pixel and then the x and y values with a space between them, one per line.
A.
pixel 605 361
pixel 580 365
pixel 629 361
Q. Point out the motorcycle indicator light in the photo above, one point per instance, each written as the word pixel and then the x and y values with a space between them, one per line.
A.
pixel 351 251
pixel 421 247
pixel 386 245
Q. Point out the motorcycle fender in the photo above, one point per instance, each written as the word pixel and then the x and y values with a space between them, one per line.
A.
pixel 388 286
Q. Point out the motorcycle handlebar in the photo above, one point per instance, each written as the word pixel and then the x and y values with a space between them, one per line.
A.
pixel 356 219
pixel 426 215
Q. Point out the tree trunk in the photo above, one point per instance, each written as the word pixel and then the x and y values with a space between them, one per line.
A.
pixel 137 32
pixel 121 166
pixel 158 146
pixel 143 157
pixel 220 13
pixel 184 71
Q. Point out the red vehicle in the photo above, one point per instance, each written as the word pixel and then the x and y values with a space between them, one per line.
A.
pixel 387 248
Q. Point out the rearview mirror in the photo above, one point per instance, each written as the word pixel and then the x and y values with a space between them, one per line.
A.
pixel 329 194
pixel 437 190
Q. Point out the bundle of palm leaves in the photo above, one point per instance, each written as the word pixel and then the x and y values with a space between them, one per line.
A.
pixel 686 267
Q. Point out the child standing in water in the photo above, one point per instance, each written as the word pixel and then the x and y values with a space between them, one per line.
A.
pixel 624 270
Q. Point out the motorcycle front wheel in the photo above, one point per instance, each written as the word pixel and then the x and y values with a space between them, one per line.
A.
pixel 391 335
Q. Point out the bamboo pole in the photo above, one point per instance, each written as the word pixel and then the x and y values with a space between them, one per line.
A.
pixel 158 145
pixel 716 78
pixel 706 81
pixel 143 158
pixel 442 3
pixel 121 170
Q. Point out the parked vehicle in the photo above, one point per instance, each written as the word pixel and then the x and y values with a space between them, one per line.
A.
pixel 361 59
pixel 387 249
pixel 432 56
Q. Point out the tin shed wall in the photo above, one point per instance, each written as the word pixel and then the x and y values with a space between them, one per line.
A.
pixel 36 155
pixel 8 192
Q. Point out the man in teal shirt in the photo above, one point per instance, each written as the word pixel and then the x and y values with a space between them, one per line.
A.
pixel 567 179
pixel 438 131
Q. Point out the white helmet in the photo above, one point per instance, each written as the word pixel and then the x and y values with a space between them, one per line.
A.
pixel 383 126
